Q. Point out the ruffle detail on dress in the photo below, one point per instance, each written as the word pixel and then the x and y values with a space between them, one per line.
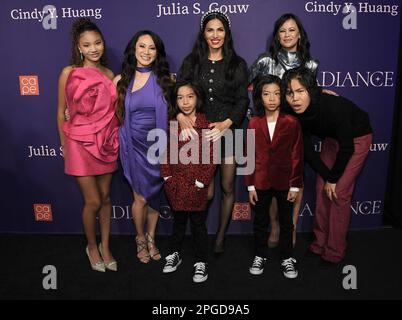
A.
pixel 91 99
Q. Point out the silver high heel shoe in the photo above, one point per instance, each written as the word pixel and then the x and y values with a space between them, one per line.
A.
pixel 112 264
pixel 99 266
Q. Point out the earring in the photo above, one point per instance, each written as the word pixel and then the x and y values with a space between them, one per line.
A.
pixel 82 57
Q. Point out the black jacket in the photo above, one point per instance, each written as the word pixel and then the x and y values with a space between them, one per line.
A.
pixel 224 99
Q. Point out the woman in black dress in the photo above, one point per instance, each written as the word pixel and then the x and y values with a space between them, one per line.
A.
pixel 214 64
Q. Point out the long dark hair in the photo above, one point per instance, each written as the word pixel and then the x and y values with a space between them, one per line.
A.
pixel 306 78
pixel 79 27
pixel 303 47
pixel 257 92
pixel 160 67
pixel 199 92
pixel 191 67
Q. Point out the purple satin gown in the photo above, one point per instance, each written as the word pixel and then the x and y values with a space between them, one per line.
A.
pixel 145 110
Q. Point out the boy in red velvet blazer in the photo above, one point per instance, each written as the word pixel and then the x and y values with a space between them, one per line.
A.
pixel 278 172
pixel 187 179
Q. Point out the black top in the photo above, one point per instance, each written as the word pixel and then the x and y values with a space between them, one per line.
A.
pixel 338 118
pixel 224 99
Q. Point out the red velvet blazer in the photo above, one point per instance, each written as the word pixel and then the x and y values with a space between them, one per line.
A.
pixel 182 193
pixel 278 163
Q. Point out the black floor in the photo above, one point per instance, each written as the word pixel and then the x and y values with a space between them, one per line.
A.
pixel 376 255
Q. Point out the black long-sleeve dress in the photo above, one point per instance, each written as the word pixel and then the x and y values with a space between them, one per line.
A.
pixel 224 98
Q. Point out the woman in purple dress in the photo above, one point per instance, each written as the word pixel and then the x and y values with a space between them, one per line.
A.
pixel 143 87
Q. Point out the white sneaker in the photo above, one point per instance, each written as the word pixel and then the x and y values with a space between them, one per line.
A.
pixel 172 262
pixel 289 268
pixel 257 267
pixel 200 272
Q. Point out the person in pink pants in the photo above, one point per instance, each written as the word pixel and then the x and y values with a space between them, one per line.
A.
pixel 346 133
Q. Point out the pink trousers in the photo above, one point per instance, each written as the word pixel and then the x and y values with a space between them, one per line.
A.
pixel 331 221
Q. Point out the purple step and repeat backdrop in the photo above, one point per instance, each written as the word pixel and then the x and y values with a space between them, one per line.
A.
pixel 356 43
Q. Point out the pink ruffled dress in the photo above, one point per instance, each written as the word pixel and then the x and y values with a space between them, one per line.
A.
pixel 91 134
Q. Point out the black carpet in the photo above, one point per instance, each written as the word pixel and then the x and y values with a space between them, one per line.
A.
pixel 376 255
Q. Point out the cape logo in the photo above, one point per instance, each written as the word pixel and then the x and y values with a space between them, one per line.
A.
pixel 43 212
pixel 29 85
pixel 241 211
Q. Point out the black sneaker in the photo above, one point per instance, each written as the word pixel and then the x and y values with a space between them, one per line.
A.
pixel 257 267
pixel 200 272
pixel 289 268
pixel 172 262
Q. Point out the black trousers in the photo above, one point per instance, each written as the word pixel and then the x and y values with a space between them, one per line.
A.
pixel 198 230
pixel 261 222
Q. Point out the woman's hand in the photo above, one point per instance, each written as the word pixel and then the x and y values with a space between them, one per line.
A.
pixel 332 93
pixel 252 197
pixel 329 189
pixel 218 130
pixel 187 127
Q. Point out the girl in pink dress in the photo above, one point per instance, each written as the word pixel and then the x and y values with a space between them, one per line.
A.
pixel 89 136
